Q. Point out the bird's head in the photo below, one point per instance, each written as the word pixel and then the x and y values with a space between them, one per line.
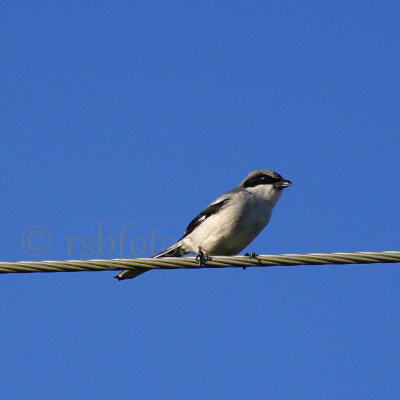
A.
pixel 266 183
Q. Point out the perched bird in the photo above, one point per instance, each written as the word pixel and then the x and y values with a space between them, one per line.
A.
pixel 230 222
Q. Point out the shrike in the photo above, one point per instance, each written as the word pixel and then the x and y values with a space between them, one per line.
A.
pixel 229 223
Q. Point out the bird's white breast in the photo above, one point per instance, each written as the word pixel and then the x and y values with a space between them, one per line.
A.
pixel 234 227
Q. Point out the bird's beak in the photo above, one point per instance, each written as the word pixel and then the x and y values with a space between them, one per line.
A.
pixel 282 184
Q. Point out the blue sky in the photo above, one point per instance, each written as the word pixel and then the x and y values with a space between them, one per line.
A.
pixel 146 111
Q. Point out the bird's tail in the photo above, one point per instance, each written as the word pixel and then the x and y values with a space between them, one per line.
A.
pixel 174 251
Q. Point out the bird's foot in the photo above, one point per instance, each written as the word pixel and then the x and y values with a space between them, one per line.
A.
pixel 202 257
pixel 251 255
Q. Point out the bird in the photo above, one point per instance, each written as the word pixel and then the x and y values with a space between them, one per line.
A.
pixel 228 224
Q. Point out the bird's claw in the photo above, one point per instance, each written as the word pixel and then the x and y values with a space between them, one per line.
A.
pixel 202 258
pixel 251 255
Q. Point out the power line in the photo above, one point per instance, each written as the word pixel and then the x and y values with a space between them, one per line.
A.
pixel 266 260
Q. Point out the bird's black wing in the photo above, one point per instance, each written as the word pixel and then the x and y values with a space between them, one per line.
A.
pixel 210 210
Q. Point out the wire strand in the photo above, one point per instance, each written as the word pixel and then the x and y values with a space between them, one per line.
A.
pixel 265 260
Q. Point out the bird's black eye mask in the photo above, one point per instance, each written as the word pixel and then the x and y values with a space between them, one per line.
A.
pixel 262 179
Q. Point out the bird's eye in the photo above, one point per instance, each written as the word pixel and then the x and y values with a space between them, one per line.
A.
pixel 261 179
pixel 268 179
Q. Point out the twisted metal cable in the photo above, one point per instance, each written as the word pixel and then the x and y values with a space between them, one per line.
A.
pixel 266 260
